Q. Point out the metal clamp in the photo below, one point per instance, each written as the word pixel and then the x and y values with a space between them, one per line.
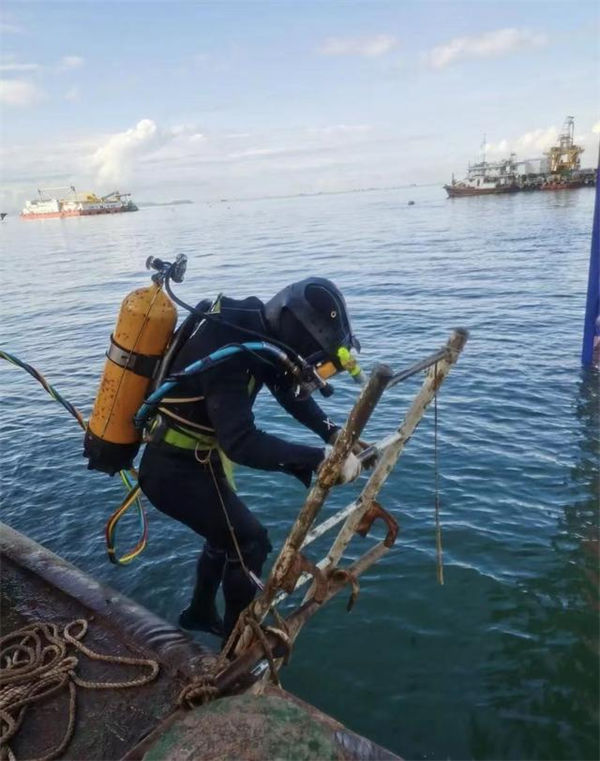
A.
pixel 369 518
pixel 346 577
pixel 299 565
pixel 140 364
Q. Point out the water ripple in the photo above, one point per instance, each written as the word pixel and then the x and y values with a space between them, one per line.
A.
pixel 500 662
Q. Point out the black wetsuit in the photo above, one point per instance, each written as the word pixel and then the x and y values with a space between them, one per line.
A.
pixel 219 403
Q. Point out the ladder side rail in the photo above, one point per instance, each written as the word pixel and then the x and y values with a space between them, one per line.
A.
pixel 326 479
pixel 433 380
pixel 356 509
pixel 228 680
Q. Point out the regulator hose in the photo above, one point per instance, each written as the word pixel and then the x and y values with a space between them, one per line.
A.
pixel 195 368
pixel 215 317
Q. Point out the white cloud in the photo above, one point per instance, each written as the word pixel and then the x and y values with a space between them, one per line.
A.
pixel 251 153
pixel 19 66
pixel 18 92
pixel 186 131
pixel 487 45
pixel 340 129
pixel 532 145
pixel 72 94
pixel 538 139
pixel 162 162
pixel 10 28
pixel 368 47
pixel 69 62
pixel 10 62
pixel 116 160
pixel 534 142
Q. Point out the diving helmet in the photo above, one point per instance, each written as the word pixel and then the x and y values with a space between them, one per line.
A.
pixel 311 316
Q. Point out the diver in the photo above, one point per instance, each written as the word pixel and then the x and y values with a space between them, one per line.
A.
pixel 207 423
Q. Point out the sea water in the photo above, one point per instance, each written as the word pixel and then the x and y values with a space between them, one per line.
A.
pixel 502 661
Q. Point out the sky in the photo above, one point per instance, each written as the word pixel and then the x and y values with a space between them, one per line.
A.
pixel 219 99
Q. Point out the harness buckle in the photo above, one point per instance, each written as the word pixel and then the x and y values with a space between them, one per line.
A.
pixel 155 432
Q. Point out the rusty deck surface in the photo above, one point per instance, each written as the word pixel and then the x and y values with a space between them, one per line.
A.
pixel 144 722
pixel 38 586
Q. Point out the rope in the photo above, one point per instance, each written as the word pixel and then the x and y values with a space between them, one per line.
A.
pixel 252 577
pixel 267 650
pixel 283 632
pixel 35 663
pixel 438 527
pixel 203 689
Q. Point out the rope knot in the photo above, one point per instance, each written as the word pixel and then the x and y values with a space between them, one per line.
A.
pixel 199 692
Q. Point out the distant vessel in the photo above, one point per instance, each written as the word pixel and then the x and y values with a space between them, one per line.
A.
pixel 559 170
pixel 77 205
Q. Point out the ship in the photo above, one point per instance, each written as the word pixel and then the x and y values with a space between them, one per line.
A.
pixel 559 169
pixel 76 204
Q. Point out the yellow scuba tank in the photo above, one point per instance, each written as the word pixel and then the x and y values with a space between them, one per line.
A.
pixel 144 328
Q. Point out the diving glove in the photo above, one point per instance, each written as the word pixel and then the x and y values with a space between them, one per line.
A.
pixel 351 467
pixel 357 448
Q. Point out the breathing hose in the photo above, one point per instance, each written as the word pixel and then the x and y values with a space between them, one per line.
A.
pixel 201 365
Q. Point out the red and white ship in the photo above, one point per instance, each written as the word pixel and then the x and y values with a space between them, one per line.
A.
pixel 77 205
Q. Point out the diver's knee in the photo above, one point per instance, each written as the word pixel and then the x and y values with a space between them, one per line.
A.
pixel 254 551
pixel 213 552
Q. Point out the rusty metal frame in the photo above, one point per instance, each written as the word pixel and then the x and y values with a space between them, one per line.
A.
pixel 290 569
pixel 326 479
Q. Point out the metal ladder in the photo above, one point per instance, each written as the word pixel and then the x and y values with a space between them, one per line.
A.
pixel 250 660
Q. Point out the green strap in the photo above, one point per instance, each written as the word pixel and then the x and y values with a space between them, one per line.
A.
pixel 193 441
pixel 183 438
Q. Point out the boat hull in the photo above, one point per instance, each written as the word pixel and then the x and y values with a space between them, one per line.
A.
pixel 455 191
pixel 75 213
pixel 571 185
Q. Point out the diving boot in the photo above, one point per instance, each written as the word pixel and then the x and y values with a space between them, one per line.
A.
pixel 211 623
pixel 201 614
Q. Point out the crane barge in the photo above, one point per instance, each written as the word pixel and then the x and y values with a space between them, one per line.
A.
pixel 559 169
pixel 76 204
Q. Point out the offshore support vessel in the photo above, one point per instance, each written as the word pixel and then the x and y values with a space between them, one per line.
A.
pixel 77 205
pixel 559 169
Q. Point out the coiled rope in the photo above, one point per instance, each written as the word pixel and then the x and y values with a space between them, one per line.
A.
pixel 35 663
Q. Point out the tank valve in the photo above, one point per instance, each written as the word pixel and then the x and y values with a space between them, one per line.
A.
pixel 175 271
